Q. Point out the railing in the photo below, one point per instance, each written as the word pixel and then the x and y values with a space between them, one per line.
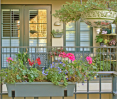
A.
pixel 104 57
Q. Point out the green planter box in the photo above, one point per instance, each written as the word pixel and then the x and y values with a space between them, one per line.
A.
pixel 57 35
pixel 39 89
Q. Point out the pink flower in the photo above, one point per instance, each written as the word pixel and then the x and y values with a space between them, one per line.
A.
pixel 9 59
pixel 89 59
pixel 63 54
pixel 71 56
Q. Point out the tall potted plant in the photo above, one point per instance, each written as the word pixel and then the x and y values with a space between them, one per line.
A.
pixel 31 82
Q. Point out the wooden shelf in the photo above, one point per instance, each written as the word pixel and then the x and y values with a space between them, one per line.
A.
pixel 111 60
pixel 109 34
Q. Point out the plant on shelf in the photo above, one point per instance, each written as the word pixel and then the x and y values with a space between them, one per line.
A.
pixel 112 42
pixel 99 38
pixel 57 33
pixel 100 9
pixel 60 74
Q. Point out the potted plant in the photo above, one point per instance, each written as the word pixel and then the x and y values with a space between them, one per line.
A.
pixel 99 39
pixel 95 13
pixel 57 34
pixel 55 53
pixel 31 82
pixel 112 42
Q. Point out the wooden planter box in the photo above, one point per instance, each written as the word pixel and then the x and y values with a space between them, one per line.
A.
pixel 39 89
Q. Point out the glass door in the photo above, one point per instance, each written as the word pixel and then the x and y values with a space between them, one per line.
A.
pixel 37 26
pixel 37 32
pixel 25 25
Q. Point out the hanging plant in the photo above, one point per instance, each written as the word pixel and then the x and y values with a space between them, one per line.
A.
pixel 103 9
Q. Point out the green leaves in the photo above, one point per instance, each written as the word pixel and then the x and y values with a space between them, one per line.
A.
pixel 18 77
pixel 72 11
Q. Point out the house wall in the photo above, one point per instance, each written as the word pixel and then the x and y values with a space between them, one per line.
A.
pixel 56 4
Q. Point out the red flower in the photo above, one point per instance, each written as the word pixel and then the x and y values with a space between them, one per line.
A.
pixel 31 63
pixel 28 60
pixel 38 61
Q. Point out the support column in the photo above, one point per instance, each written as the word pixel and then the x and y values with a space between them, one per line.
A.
pixel 114 87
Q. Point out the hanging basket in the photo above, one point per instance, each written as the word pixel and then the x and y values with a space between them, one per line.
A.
pixel 99 18
pixel 58 35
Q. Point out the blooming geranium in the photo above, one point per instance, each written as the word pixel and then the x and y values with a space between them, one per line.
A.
pixel 69 55
pixel 38 61
pixel 89 59
pixel 30 63
pixel 63 54
pixel 9 59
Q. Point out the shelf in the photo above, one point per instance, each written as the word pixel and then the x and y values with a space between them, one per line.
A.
pixel 110 34
pixel 111 60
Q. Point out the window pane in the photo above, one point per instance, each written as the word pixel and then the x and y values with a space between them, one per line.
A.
pixel 70 26
pixel 70 35
pixel 84 44
pixel 38 30
pixel 14 42
pixel 84 36
pixel 70 43
pixel 5 42
pixel 84 26
pixel 38 16
pixel 39 42
pixel 10 23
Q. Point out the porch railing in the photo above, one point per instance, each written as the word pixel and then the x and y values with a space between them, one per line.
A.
pixel 104 57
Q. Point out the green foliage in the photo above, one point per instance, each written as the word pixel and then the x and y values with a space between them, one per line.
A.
pixel 65 72
pixel 56 32
pixel 72 11
pixel 22 56
pixel 99 60
pixel 99 39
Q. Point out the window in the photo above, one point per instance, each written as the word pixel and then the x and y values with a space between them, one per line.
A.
pixel 78 34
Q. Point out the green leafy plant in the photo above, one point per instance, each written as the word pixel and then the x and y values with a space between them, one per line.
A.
pixel 76 71
pixel 56 32
pixel 72 11
pixel 99 38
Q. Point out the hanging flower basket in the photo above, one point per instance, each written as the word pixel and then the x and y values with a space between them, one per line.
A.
pixel 99 18
pixel 39 89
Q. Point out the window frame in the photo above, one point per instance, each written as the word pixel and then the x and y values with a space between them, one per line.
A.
pixel 77 36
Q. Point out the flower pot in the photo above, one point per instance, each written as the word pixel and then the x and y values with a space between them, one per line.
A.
pixel 99 18
pixel 57 35
pixel 39 89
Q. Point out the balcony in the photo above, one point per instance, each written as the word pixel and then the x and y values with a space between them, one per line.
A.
pixel 104 57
